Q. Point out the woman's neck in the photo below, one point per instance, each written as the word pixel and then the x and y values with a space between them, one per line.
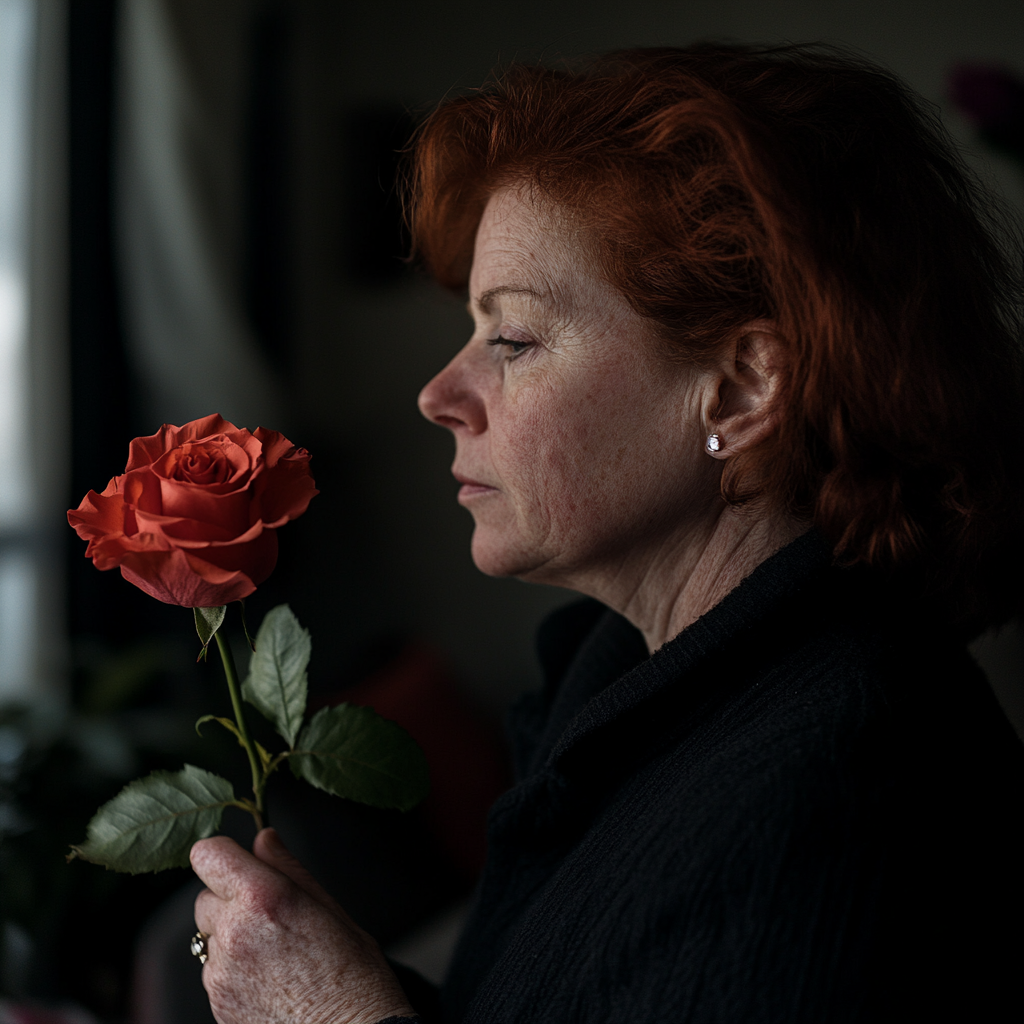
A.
pixel 666 590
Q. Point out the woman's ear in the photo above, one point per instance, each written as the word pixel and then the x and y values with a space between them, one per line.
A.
pixel 740 409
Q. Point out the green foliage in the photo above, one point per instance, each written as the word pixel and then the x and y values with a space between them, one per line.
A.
pixel 226 722
pixel 56 767
pixel 349 751
pixel 277 685
pixel 208 621
pixel 249 639
pixel 352 752
pixel 153 822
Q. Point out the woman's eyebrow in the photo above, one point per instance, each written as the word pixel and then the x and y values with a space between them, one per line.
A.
pixel 484 302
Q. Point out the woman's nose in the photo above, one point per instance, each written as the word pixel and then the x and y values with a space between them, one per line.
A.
pixel 451 400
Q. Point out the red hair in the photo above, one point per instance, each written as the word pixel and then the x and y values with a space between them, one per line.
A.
pixel 724 184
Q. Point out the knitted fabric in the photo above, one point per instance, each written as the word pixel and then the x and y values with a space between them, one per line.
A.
pixel 804 808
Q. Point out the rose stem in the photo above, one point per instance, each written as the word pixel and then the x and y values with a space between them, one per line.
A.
pixel 236 702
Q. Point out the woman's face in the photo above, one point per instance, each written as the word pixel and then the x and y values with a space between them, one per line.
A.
pixel 578 446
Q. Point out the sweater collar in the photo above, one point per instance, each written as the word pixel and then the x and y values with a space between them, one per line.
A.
pixel 611 675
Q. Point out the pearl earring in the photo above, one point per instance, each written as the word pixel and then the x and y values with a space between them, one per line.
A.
pixel 713 444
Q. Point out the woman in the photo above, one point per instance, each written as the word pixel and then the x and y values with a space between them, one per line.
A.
pixel 745 373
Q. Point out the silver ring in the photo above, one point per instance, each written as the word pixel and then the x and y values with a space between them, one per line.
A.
pixel 199 947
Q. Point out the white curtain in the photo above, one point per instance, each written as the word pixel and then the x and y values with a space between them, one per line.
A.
pixel 180 194
pixel 33 350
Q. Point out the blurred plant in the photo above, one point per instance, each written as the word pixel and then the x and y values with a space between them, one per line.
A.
pixel 991 97
pixel 54 767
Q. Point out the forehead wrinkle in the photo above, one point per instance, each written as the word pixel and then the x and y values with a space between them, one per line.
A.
pixel 528 249
pixel 556 307
pixel 485 301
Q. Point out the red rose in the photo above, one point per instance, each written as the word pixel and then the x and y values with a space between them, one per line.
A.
pixel 192 519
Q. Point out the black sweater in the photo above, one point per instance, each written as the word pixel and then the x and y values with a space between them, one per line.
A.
pixel 804 808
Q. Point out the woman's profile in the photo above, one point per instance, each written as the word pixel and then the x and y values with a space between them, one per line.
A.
pixel 745 373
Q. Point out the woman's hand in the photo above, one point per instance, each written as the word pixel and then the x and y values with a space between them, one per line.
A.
pixel 280 949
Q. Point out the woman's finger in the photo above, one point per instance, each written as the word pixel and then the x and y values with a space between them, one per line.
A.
pixel 279 947
pixel 270 850
pixel 224 866
pixel 209 911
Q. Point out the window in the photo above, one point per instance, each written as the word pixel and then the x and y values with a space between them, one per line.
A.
pixel 18 571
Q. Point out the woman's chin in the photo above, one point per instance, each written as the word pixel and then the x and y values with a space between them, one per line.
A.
pixel 496 556
pixel 493 562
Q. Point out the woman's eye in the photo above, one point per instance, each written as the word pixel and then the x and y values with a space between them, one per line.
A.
pixel 515 348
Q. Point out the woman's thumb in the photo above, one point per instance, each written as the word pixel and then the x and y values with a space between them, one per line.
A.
pixel 268 848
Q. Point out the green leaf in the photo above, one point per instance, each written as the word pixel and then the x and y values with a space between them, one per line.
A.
pixel 208 621
pixel 245 627
pixel 276 685
pixel 352 752
pixel 226 722
pixel 153 822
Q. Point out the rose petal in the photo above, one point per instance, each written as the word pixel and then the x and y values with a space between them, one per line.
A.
pixel 144 451
pixel 229 511
pixel 176 578
pixel 199 463
pixel 288 495
pixel 99 514
pixel 141 490
pixel 234 461
pixel 274 446
pixel 257 556
pixel 286 487
pixel 190 533
pixel 181 532
pixel 110 551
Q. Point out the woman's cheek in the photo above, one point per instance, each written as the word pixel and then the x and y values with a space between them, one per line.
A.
pixel 535 454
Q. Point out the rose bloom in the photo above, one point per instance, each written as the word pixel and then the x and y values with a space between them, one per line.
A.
pixel 192 519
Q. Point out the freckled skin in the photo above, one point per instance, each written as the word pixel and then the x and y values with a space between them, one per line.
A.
pixel 280 949
pixel 592 440
pixel 586 434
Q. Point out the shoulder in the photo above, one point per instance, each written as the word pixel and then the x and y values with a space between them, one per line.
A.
pixel 838 749
pixel 858 803
pixel 870 706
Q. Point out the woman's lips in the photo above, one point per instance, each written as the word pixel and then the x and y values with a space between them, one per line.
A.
pixel 472 488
